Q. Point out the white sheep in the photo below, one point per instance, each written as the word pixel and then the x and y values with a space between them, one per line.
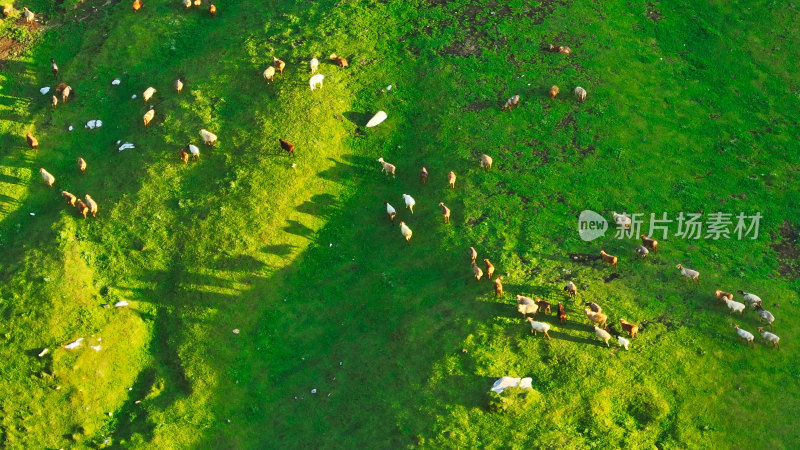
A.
pixel 148 93
pixel 178 86
pixel 187 3
pixel 526 305
pixel 316 80
pixel 47 177
pixel 602 334
pixel 622 220
pixel 409 202
pixel 406 232
pixel 622 342
pixel 763 315
pixel 390 211
pixel 28 15
pixel 314 63
pixel 209 138
pixel 580 93
pixel 539 327
pixel 486 162
pixel 770 337
pixel 74 344
pixel 734 306
pixel 751 299
pixel 387 168
pixel 269 73
pixel 745 335
pixel 194 151
pixel 689 273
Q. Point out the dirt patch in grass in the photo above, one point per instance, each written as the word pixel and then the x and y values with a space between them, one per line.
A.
pixel 654 14
pixel 788 251
pixel 9 47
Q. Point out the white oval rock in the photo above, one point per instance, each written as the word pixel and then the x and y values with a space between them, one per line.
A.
pixel 377 119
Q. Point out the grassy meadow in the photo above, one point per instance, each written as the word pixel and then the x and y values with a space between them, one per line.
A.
pixel 691 107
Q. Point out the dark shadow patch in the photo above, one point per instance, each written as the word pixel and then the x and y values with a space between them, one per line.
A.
pixel 279 249
pixel 788 251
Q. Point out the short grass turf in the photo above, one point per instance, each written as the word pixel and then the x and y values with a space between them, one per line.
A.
pixel 692 106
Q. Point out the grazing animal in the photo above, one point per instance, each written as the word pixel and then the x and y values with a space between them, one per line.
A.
pixel 148 116
pixel 580 94
pixel 769 337
pixel 7 9
pixel 564 50
pixel 47 177
pixel 571 289
pixel 539 327
pixel 451 179
pixel 28 15
pixel 734 306
pixel 743 334
pixel 477 272
pixel 54 67
pixel 594 307
pixel 498 287
pixel 148 93
pixel 390 211
pixel 269 74
pixel 388 169
pixel 609 259
pixel 278 64
pixel 423 175
pixel 473 254
pixel 544 306
pixel 511 102
pixel 197 3
pixel 489 268
pixel 92 205
pixel 689 274
pixel 33 143
pixel 82 208
pixel 722 295
pixel 316 80
pixel 212 9
pixel 137 5
pixel 65 93
pixel 602 334
pixel 631 328
pixel 562 313
pixel 187 3
pixel 650 243
pixel 54 102
pixel 178 85
pixel 526 305
pixel 287 146
pixel 622 220
pixel 194 150
pixel 623 342
pixel 81 164
pixel 751 299
pixel 642 251
pixel 446 214
pixel 409 202
pixel 338 60
pixel 314 64
pixel 553 92
pixel 598 318
pixel 764 315
pixel 184 156
pixel 69 198
pixel 486 162
pixel 209 138
pixel 406 232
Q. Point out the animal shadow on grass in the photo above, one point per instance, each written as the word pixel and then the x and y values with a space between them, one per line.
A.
pixel 299 229
pixel 320 205
pixel 339 171
pixel 357 118
pixel 470 391
pixel 279 249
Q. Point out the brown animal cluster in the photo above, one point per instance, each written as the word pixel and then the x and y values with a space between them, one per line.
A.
pixel 137 5
pixel 339 61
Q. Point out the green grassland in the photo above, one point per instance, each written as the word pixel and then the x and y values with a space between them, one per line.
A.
pixel 692 106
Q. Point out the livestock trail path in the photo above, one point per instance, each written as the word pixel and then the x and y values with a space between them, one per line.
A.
pixel 271 304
